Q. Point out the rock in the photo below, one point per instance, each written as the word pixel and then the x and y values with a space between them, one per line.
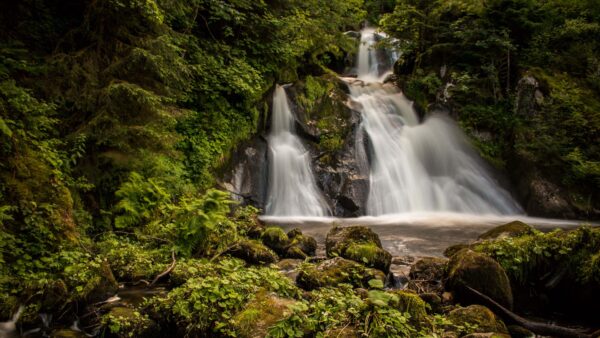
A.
pixel 512 229
pixel 479 316
pixel 305 243
pixel 427 273
pixel 413 304
pixel 547 199
pixel 260 314
pixel 275 238
pixel 67 333
pixel 105 286
pixel 487 335
pixel 253 252
pixel 481 273
pixel 434 301
pixel 360 244
pixel 334 271
pixel 123 322
pixel 453 249
pixel 520 332
pixel 526 101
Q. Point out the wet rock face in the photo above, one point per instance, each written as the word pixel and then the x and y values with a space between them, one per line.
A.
pixel 480 272
pixel 528 96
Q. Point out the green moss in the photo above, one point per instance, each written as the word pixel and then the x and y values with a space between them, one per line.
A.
pixel 476 318
pixel 512 229
pixel 411 303
pixel 254 252
pixel 127 322
pixel 336 271
pixel 260 314
pixel 369 254
pixel 275 238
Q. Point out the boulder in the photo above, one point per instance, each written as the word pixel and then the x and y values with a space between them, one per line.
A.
pixel 275 238
pixel 480 272
pixel 478 316
pixel 512 229
pixel 260 314
pixel 304 243
pixel 360 244
pixel 253 252
pixel 453 249
pixel 433 300
pixel 428 273
pixel 411 303
pixel 334 271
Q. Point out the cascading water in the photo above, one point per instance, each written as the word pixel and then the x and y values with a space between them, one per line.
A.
pixel 418 167
pixel 292 188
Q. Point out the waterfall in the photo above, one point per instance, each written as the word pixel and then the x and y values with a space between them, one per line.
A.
pixel 418 167
pixel 292 188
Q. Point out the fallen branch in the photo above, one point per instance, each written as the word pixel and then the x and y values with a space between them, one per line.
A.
pixel 535 327
pixel 166 272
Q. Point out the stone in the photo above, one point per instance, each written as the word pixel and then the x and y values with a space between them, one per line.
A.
pixel 305 243
pixel 428 273
pixel 334 271
pixel 480 316
pixel 123 321
pixel 451 250
pixel 260 314
pixel 434 301
pixel 275 238
pixel 253 252
pixel 360 244
pixel 512 229
pixel 480 272
pixel 517 331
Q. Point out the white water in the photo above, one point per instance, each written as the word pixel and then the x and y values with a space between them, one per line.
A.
pixel 9 329
pixel 292 188
pixel 418 167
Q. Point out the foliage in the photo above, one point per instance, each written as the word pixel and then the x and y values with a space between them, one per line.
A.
pixel 529 257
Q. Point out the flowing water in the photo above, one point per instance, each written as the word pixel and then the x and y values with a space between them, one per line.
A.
pixel 292 187
pixel 418 167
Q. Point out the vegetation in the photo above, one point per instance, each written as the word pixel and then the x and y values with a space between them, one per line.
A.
pixel 472 56
pixel 117 118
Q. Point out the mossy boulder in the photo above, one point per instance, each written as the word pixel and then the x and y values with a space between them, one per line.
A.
pixel 67 333
pixel 275 238
pixel 260 314
pixel 253 252
pixel 334 271
pixel 453 249
pixel 480 272
pixel 433 300
pixel 427 274
pixel 123 321
pixel 512 229
pixel 359 244
pixel 411 303
pixel 479 317
pixel 298 241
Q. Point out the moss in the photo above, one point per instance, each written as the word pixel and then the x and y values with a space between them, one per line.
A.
pixel 369 254
pixel 412 304
pixel 253 252
pixel 360 244
pixel 336 271
pixel 480 272
pixel 307 244
pixel 261 313
pixel 512 229
pixel 275 238
pixel 453 249
pixel 67 333
pixel 478 318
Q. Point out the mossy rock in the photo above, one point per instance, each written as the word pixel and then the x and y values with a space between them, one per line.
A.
pixel 433 300
pixel 487 335
pixel 512 229
pixel 480 317
pixel 453 249
pixel 335 271
pixel 480 272
pixel 520 332
pixel 360 244
pixel 307 244
pixel 260 314
pixel 413 304
pixel 122 321
pixel 253 252
pixel 67 333
pixel 275 238
pixel 429 269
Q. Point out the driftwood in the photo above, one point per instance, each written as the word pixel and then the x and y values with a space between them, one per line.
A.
pixel 535 327
pixel 166 272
